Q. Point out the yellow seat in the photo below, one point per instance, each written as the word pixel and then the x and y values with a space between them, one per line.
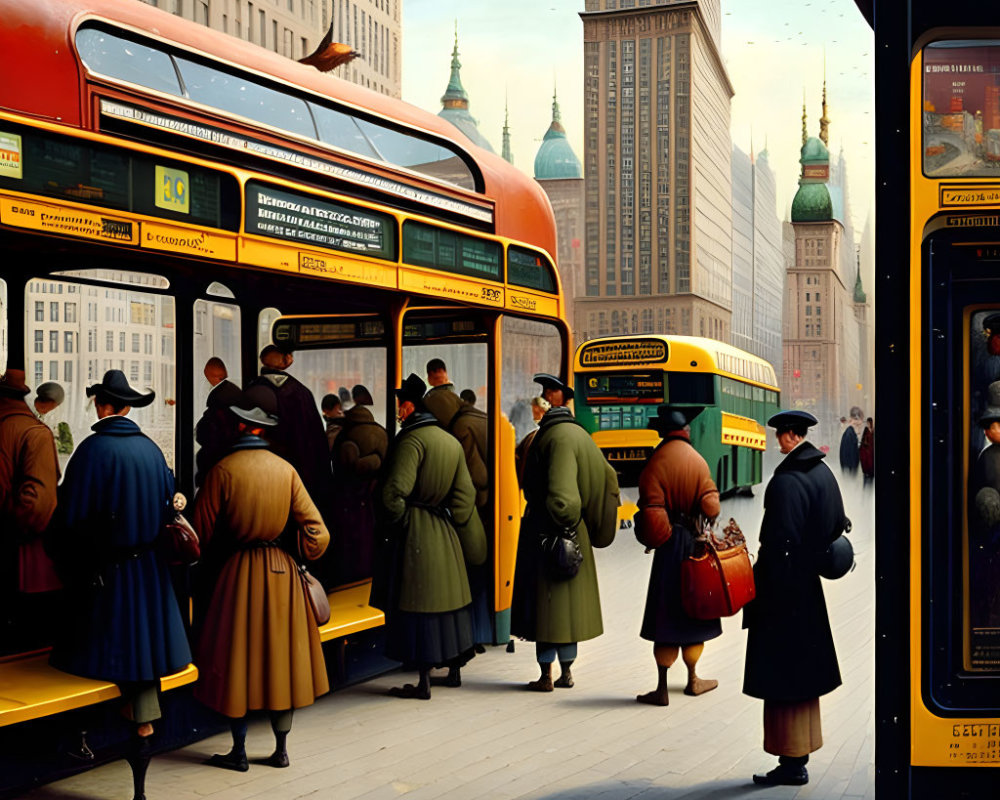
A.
pixel 350 612
pixel 30 688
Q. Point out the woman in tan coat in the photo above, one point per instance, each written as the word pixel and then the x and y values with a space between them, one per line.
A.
pixel 259 646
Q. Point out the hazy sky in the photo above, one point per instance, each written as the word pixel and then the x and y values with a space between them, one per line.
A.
pixel 773 50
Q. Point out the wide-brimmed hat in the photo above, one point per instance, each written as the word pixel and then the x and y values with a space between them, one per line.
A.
pixel 793 418
pixel 362 396
pixel 552 382
pixel 12 382
pixel 413 389
pixel 673 418
pixel 992 413
pixel 50 391
pixel 114 386
pixel 258 405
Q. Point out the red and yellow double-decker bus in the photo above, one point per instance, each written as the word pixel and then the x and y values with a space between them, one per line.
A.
pixel 170 194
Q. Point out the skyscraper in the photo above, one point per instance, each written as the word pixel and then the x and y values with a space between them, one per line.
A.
pixel 657 156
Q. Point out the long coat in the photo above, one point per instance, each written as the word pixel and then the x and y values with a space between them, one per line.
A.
pixel 567 484
pixel 426 471
pixel 216 431
pixel 675 487
pixel 849 455
pixel 790 651
pixel 259 646
pixel 29 473
pixel 357 455
pixel 114 501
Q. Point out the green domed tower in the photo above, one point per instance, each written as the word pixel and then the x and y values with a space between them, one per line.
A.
pixel 555 158
pixel 812 201
pixel 455 103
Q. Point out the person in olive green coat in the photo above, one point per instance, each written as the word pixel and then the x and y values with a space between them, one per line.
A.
pixel 431 530
pixel 569 487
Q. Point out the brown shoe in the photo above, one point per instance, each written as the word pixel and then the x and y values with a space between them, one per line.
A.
pixel 654 698
pixel 543 684
pixel 700 686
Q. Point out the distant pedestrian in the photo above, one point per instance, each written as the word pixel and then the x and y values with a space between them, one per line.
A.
pixel 332 409
pixel 442 400
pixel 850 441
pixel 675 491
pixel 791 661
pixel 126 625
pixel 215 431
pixel 866 452
pixel 432 530
pixel 259 646
pixel 571 491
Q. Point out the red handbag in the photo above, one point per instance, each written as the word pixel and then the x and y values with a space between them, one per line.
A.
pixel 717 580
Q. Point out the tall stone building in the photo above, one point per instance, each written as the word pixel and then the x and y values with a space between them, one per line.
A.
pixel 295 27
pixel 758 260
pixel 658 233
pixel 826 310
pixel 560 174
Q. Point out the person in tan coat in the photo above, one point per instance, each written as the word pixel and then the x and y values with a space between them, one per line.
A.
pixel 29 472
pixel 259 646
pixel 675 489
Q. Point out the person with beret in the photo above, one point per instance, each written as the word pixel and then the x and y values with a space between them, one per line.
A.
pixel 984 520
pixel 215 431
pixel 259 645
pixel 431 532
pixel 29 473
pixel 300 435
pixel 791 660
pixel 570 489
pixel 126 626
pixel 357 456
pixel 675 491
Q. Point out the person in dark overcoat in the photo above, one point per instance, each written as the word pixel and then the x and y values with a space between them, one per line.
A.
pixel 116 496
pixel 259 646
pixel 984 520
pixel 568 486
pixel 850 442
pixel 215 432
pixel 539 405
pixel 357 456
pixel 29 473
pixel 432 529
pixel 791 660
pixel 675 490
pixel 300 436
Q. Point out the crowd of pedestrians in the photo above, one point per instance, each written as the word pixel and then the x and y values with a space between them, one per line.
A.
pixel 283 481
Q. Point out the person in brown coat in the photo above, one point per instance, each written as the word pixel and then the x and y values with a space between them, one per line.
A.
pixel 675 489
pixel 259 646
pixel 29 473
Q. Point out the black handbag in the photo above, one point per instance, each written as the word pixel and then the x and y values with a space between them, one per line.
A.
pixel 561 555
pixel 838 558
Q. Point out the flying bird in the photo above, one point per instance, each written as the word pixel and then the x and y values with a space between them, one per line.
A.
pixel 330 54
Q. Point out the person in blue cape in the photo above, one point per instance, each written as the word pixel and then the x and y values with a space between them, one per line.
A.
pixel 125 626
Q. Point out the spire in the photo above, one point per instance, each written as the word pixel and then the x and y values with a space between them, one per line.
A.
pixel 455 95
pixel 824 121
pixel 505 152
pixel 805 132
pixel 556 115
pixel 859 292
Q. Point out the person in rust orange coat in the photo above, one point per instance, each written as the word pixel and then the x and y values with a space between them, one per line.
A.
pixel 259 646
pixel 675 489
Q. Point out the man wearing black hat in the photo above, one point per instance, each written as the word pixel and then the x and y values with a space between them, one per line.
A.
pixel 29 472
pixel 791 661
pixel 432 530
pixel 675 490
pixel 127 628
pixel 572 492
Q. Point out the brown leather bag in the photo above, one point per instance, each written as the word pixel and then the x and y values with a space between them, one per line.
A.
pixel 717 580
pixel 316 595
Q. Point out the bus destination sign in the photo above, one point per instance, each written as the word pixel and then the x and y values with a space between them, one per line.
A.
pixel 315 221
pixel 615 354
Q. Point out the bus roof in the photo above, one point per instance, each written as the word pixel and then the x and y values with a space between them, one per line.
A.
pixel 711 355
pixel 41 33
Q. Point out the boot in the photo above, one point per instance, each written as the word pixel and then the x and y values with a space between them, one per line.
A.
pixel 697 686
pixel 657 697
pixel 544 682
pixel 791 771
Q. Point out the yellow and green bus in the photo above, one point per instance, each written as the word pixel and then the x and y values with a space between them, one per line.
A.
pixel 622 380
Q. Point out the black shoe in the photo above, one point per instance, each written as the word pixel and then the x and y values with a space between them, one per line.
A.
pixel 783 776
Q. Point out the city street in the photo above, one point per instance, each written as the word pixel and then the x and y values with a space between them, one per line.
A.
pixel 492 739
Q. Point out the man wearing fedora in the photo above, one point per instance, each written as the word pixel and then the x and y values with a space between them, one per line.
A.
pixel 675 490
pixel 431 532
pixel 791 660
pixel 571 491
pixel 29 472
pixel 984 519
pixel 126 626
pixel 259 645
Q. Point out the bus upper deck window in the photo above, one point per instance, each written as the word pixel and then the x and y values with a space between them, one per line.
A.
pixel 117 57
pixel 238 95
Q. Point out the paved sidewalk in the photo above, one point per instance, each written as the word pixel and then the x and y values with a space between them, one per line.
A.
pixel 491 739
